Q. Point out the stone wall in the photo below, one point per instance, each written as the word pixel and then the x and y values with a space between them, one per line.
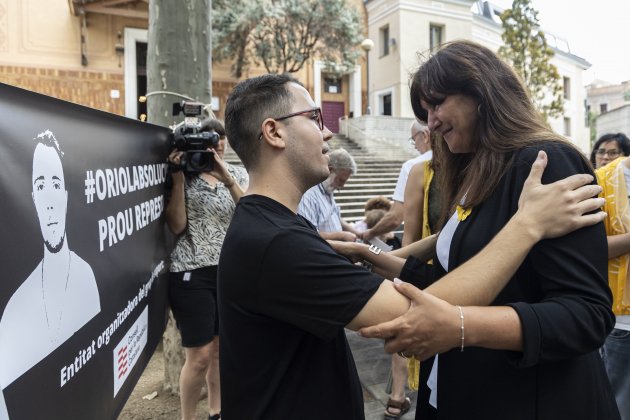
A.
pixel 89 88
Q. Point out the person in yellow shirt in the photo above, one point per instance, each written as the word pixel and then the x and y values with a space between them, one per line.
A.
pixel 614 178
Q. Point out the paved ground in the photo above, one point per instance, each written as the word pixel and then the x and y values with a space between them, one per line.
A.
pixel 149 402
pixel 373 365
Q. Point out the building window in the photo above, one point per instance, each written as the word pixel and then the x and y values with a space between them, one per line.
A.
pixel 567 126
pixel 384 38
pixel 603 108
pixel 566 86
pixel 435 36
pixel 386 104
pixel 332 85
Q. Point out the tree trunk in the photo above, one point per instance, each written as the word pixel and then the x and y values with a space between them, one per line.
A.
pixel 179 56
pixel 179 60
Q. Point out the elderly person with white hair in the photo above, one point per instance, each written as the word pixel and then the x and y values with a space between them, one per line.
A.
pixel 318 203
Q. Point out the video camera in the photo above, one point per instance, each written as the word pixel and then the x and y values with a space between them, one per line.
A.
pixel 188 138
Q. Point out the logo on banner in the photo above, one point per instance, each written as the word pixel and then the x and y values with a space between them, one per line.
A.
pixel 122 362
pixel 127 351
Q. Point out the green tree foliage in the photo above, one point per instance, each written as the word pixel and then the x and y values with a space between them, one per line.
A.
pixel 283 35
pixel 526 49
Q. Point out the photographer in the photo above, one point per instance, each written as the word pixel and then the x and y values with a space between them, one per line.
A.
pixel 198 212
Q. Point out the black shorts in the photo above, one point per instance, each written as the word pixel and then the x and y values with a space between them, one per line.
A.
pixel 193 299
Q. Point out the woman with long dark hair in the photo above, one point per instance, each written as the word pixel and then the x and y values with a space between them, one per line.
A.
pixel 539 357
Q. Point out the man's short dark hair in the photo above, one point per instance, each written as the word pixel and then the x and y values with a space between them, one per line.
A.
pixel 248 105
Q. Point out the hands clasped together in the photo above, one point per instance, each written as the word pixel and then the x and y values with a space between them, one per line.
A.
pixel 431 326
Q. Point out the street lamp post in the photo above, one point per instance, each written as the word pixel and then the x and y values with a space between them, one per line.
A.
pixel 366 46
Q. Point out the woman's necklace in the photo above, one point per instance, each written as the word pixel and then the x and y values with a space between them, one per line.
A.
pixel 61 305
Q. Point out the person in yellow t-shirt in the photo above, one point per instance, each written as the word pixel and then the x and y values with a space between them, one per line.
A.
pixel 614 178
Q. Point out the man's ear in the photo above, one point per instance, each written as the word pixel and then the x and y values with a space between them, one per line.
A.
pixel 427 137
pixel 273 134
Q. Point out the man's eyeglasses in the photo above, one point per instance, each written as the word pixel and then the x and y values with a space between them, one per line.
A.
pixel 316 115
pixel 611 153
pixel 412 139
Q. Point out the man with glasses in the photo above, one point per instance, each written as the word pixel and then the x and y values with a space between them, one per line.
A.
pixel 318 204
pixel 420 139
pixel 285 295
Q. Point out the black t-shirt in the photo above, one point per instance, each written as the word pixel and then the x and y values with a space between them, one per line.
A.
pixel 284 298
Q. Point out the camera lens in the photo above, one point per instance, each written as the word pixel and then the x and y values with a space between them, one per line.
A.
pixel 214 139
pixel 200 161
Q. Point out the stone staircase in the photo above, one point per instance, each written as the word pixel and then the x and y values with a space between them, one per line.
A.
pixel 375 176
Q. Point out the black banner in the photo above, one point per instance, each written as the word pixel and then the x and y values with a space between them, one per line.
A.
pixel 84 262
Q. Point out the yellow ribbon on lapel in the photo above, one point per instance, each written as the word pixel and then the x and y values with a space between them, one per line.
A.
pixel 462 213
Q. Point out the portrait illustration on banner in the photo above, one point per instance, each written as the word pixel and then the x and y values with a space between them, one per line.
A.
pixel 60 295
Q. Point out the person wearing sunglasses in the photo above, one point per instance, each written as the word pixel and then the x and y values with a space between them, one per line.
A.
pixel 608 148
pixel 285 295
